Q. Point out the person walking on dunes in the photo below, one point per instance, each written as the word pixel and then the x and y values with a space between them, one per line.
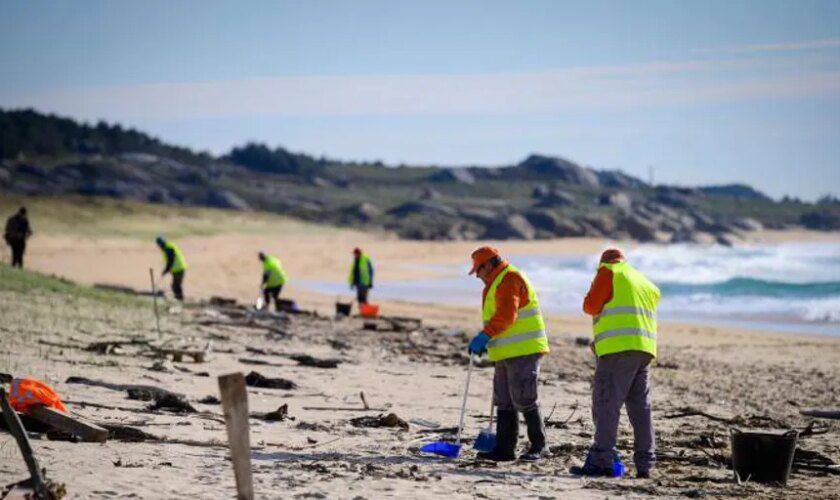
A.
pixel 273 279
pixel 17 232
pixel 175 264
pixel 622 303
pixel 361 275
pixel 515 338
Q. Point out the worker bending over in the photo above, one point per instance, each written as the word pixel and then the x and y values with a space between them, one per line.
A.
pixel 175 264
pixel 515 339
pixel 273 279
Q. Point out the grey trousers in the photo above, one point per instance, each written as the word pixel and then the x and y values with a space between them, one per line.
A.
pixel 623 379
pixel 515 382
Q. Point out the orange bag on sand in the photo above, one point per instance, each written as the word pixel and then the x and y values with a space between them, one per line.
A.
pixel 26 392
pixel 369 311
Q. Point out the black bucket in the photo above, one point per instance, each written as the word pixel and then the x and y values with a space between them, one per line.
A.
pixel 342 309
pixel 763 456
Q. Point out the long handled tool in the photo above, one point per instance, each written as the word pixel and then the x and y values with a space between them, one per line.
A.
pixel 154 298
pixel 452 450
pixel 486 439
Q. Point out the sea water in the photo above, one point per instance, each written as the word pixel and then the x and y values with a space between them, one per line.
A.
pixel 791 287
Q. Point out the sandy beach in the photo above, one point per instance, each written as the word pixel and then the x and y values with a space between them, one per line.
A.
pixel 746 378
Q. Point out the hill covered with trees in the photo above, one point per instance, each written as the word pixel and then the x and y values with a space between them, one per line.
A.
pixel 539 197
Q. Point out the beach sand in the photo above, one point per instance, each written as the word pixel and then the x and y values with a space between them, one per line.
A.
pixel 736 374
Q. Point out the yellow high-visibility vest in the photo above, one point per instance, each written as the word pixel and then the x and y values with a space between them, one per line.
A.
pixel 364 271
pixel 276 274
pixel 628 320
pixel 178 262
pixel 527 335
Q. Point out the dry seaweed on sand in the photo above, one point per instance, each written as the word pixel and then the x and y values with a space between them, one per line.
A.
pixel 389 420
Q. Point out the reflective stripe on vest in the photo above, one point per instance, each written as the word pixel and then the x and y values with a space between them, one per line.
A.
pixel 624 310
pixel 276 274
pixel 178 262
pixel 527 335
pixel 628 320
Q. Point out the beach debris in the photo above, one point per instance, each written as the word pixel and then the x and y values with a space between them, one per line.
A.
pixel 339 345
pixel 814 461
pixel 382 420
pixel 758 421
pixel 215 300
pixel 68 424
pixel 148 392
pixel 833 413
pixel 256 379
pixel 114 346
pixel 162 400
pixel 120 432
pixel 307 360
pixel 279 415
pixel 210 400
pixel 312 426
pixel 37 486
pixel 582 341
pixel 235 404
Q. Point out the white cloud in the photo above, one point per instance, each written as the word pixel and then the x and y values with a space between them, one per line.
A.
pixel 827 43
pixel 604 87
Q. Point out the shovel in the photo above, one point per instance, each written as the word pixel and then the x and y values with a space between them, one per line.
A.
pixel 486 439
pixel 452 450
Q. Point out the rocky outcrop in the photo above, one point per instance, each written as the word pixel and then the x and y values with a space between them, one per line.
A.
pixel 513 227
pixel 558 169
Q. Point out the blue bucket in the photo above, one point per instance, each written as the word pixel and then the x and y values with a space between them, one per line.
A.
pixel 442 448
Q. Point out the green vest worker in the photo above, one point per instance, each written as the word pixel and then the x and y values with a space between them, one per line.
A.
pixel 175 263
pixel 515 339
pixel 361 275
pixel 273 279
pixel 622 303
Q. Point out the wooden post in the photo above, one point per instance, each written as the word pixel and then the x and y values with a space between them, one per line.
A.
pixel 17 430
pixel 235 405
pixel 154 298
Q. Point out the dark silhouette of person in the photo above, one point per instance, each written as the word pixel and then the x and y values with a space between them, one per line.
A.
pixel 17 232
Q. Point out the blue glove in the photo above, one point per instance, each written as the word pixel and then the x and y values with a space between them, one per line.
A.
pixel 478 344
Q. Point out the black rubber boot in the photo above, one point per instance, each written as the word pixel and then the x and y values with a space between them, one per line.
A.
pixel 507 432
pixel 536 435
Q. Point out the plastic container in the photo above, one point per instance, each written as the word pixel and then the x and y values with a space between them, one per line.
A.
pixel 763 456
pixel 369 311
pixel 343 309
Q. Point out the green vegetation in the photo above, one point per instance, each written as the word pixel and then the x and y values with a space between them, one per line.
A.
pixel 107 217
pixel 21 281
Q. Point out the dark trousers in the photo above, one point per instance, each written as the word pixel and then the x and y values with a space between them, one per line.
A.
pixel 269 293
pixel 623 379
pixel 18 249
pixel 362 294
pixel 177 285
pixel 515 382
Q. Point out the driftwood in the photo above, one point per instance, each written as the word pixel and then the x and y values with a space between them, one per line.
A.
pixel 831 414
pixel 307 360
pixel 750 420
pixel 69 424
pixel 256 379
pixel 150 389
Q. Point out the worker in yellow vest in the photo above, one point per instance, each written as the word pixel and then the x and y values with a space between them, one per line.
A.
pixel 515 338
pixel 361 275
pixel 174 264
pixel 273 279
pixel 622 303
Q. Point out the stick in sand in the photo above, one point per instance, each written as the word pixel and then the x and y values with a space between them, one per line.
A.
pixel 235 405
pixel 154 298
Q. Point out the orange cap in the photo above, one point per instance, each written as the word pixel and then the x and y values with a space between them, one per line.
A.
pixel 482 255
pixel 612 255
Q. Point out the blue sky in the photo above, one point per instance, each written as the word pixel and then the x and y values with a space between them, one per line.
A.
pixel 703 91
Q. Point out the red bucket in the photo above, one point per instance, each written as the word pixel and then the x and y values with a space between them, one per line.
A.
pixel 369 311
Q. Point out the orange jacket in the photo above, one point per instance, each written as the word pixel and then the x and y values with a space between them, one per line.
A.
pixel 600 292
pixel 27 392
pixel 511 295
